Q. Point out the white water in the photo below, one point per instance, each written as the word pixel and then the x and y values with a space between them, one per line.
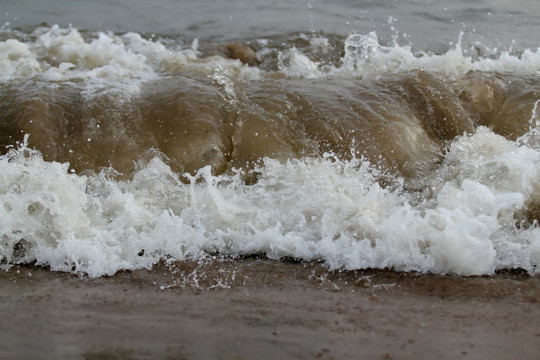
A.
pixel 64 55
pixel 313 209
pixel 366 58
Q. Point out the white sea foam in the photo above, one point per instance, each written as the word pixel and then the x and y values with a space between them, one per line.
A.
pixel 105 61
pixel 64 54
pixel 365 57
pixel 16 60
pixel 309 209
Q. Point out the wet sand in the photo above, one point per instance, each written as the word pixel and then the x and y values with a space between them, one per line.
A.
pixel 261 309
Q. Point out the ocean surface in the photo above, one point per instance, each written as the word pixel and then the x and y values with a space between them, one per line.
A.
pixel 399 135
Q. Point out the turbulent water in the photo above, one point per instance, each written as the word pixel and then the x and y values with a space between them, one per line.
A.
pixel 339 140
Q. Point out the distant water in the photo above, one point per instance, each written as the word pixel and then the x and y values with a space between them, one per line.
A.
pixel 426 24
pixel 371 134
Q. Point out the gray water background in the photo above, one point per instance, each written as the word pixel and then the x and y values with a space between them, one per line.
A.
pixel 431 25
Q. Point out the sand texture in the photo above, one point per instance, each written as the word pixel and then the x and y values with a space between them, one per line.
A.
pixel 261 309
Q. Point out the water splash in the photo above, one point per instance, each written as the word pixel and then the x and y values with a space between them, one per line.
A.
pixel 532 137
pixel 311 19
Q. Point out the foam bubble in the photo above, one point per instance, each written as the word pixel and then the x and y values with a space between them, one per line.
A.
pixel 365 57
pixel 16 59
pixel 66 54
pixel 313 209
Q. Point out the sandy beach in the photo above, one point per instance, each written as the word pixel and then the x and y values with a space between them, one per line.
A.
pixel 262 309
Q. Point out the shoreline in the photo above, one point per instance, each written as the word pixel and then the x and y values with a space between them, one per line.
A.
pixel 264 309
